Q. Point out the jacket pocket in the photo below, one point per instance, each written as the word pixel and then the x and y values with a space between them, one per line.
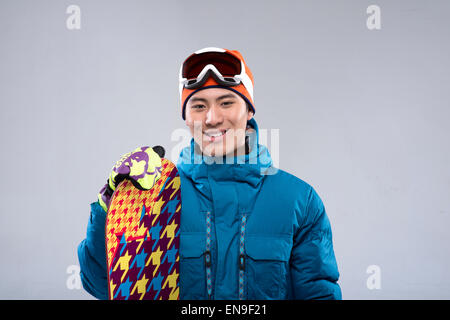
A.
pixel 192 266
pixel 267 266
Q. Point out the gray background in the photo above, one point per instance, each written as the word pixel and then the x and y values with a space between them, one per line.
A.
pixel 363 117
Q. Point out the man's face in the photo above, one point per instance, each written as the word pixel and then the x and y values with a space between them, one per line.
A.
pixel 217 119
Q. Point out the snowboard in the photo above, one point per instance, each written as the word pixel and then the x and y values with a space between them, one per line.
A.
pixel 142 239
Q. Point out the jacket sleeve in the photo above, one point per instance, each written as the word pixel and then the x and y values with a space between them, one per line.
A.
pixel 92 255
pixel 314 271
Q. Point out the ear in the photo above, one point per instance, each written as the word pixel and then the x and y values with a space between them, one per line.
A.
pixel 249 111
pixel 187 119
pixel 249 115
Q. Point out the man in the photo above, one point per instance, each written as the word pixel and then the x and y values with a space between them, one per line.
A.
pixel 248 230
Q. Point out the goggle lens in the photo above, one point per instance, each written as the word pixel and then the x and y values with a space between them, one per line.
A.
pixel 228 65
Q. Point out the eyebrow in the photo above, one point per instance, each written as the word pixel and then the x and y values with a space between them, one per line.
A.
pixel 225 96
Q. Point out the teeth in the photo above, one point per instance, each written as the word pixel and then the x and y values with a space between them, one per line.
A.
pixel 217 134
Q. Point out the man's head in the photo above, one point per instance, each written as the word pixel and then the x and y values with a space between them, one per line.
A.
pixel 216 92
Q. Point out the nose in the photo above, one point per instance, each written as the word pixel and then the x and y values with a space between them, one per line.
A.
pixel 214 116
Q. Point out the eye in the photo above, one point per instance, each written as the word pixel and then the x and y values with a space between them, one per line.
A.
pixel 198 106
pixel 227 103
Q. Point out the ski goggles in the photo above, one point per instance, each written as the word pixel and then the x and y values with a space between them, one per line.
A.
pixel 225 67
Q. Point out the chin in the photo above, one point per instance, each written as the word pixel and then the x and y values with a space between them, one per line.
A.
pixel 213 153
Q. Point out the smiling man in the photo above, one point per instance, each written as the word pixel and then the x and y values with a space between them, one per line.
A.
pixel 248 230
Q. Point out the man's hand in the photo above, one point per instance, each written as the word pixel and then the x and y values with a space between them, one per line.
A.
pixel 142 167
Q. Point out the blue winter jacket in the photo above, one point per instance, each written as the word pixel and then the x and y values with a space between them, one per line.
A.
pixel 248 231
